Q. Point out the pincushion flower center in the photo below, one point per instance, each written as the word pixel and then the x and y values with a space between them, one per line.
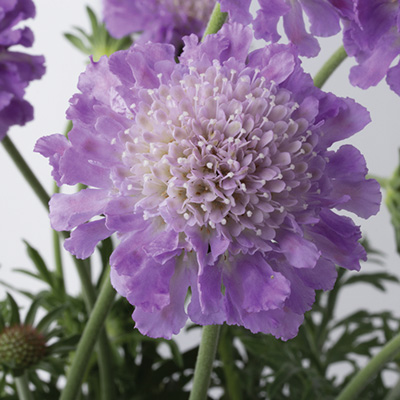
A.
pixel 218 148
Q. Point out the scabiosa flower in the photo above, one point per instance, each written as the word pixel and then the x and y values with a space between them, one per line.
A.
pixel 163 21
pixel 372 36
pixel 216 175
pixel 16 69
pixel 323 16
pixel 21 346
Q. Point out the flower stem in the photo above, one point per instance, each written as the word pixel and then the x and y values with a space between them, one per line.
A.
pixel 21 382
pixel 216 21
pixel 225 351
pixel 26 171
pixel 353 388
pixel 330 66
pixel 88 340
pixel 204 362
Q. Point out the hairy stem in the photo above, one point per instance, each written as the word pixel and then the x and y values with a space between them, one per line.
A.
pixel 204 362
pixel 26 171
pixel 88 340
pixel 354 387
pixel 330 66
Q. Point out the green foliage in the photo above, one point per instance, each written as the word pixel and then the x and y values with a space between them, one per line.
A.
pixel 98 42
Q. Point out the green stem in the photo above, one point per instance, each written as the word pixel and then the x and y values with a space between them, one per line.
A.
pixel 204 362
pixel 88 340
pixel 225 351
pixel 330 66
pixel 26 171
pixel 21 382
pixel 354 387
pixel 216 21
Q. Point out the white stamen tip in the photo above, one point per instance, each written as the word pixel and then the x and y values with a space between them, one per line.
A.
pixel 129 187
pixel 209 147
pixel 210 165
pixel 229 174
pixel 146 163
pixel 223 221
pixel 127 131
pixel 243 187
pixel 249 213
pixel 226 201
pixel 258 232
pixel 203 207
pixel 186 216
pixel 113 141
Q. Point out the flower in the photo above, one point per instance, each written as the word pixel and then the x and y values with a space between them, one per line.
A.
pixel 163 21
pixel 216 174
pixel 17 69
pixel 21 346
pixel 323 16
pixel 372 36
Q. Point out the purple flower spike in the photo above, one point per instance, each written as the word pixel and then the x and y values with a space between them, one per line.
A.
pixel 163 21
pixel 216 175
pixel 17 69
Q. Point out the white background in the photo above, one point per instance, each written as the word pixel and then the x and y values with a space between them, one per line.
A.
pixel 23 216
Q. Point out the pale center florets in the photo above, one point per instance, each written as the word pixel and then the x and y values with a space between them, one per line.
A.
pixel 221 149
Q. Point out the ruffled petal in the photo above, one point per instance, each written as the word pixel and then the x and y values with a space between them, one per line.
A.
pixel 347 169
pixel 337 238
pixel 70 210
pixel 170 319
pixel 84 238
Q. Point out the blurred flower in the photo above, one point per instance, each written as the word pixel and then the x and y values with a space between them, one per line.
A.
pixel 16 69
pixel 323 16
pixel 372 36
pixel 163 21
pixel 216 175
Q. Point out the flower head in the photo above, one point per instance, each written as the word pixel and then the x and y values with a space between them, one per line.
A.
pixel 163 21
pixel 17 69
pixel 216 175
pixel 21 346
pixel 372 36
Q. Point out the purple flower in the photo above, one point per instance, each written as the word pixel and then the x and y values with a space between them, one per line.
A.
pixel 216 174
pixel 16 69
pixel 163 21
pixel 323 15
pixel 372 36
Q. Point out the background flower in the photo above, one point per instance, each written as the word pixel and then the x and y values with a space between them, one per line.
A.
pixel 323 15
pixel 163 21
pixel 372 36
pixel 216 174
pixel 16 69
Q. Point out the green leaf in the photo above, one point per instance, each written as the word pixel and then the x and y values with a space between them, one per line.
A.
pixel 77 42
pixel 64 345
pixel 376 279
pixel 52 316
pixel 93 20
pixel 40 265
pixel 14 317
pixel 31 314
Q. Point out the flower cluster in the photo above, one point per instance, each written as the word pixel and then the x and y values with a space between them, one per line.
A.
pixel 163 21
pixel 216 174
pixel 17 69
